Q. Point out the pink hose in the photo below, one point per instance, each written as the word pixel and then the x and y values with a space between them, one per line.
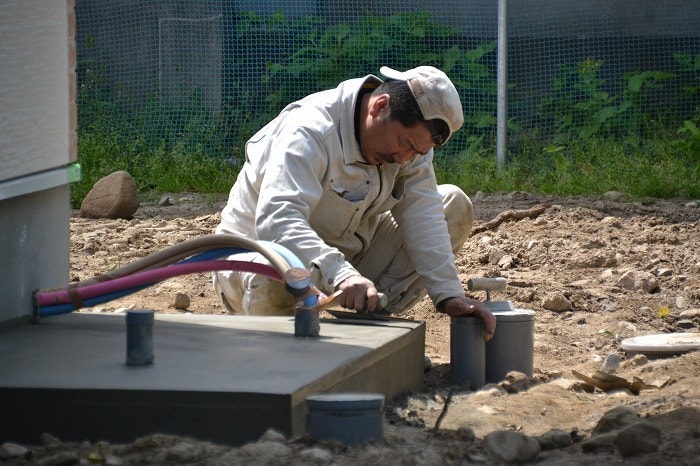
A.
pixel 71 295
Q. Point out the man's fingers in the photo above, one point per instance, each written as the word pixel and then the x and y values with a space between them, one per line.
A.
pixel 489 325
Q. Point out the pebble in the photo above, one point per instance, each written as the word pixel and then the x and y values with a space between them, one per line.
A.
pixel 182 301
pixel 12 450
pixel 554 439
pixel 557 303
pixel 512 447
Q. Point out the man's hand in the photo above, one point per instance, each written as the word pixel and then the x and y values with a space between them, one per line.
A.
pixel 463 306
pixel 358 293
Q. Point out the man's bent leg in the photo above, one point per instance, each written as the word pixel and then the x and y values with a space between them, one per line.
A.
pixel 386 262
pixel 459 214
pixel 252 294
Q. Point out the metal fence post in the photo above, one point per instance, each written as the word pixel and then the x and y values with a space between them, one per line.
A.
pixel 502 83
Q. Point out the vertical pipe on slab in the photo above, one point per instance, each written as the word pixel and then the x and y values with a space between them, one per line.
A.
pixel 502 82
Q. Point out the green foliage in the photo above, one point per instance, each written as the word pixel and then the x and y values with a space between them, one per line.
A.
pixel 580 106
pixel 589 167
pixel 604 136
pixel 328 54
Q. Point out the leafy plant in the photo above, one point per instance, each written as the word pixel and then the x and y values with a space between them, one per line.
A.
pixel 580 105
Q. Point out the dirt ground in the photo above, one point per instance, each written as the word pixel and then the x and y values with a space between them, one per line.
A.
pixel 596 271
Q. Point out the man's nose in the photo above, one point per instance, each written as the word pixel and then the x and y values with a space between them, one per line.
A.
pixel 403 156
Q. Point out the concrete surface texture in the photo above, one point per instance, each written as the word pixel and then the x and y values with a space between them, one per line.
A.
pixel 219 378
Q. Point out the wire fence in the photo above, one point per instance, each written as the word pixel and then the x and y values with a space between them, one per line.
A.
pixel 206 74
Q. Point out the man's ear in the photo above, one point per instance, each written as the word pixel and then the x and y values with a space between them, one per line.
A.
pixel 378 104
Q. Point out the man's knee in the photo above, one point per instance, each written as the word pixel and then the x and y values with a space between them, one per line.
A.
pixel 459 214
pixel 251 294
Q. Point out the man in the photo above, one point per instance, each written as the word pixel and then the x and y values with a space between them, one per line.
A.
pixel 344 179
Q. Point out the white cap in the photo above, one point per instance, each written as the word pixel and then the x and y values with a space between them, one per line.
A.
pixel 435 94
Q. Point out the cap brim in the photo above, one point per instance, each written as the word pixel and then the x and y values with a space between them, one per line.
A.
pixel 392 73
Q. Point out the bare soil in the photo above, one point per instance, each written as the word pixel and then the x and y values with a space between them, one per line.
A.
pixel 576 251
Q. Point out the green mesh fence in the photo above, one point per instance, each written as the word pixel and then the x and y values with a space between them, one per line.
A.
pixel 205 75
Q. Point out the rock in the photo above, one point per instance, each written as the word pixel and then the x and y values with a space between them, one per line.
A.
pixel 165 201
pixel 479 196
pixel 611 222
pixel 512 447
pixel 60 459
pixel 182 301
pixel 615 419
pixel 12 450
pixel 610 363
pixel 637 360
pixel 642 437
pixel 265 452
pixel 614 196
pixel 272 435
pixel 316 455
pixel 466 434
pixel 557 303
pixel 49 440
pixel 495 255
pixel 599 442
pixel 515 382
pixel 690 314
pixel 114 196
pixel 506 262
pixel 685 324
pixel 638 280
pixel 554 439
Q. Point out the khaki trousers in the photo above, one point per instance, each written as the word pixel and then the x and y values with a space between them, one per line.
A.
pixel 385 262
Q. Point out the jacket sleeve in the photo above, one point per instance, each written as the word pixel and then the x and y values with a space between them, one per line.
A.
pixel 291 188
pixel 421 216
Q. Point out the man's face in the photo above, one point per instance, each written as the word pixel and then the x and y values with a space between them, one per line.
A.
pixel 388 141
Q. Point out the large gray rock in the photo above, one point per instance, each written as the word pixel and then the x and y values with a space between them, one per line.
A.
pixel 512 447
pixel 114 196
pixel 642 437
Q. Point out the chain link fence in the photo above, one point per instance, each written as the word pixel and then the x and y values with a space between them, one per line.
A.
pixel 206 74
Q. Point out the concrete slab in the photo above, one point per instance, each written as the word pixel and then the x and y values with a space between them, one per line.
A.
pixel 219 378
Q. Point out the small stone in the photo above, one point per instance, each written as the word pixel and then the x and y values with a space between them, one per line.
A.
pixel 165 201
pixel 610 363
pixel 512 447
pixel 613 196
pixel 638 280
pixel 557 303
pixel 685 324
pixel 60 459
pixel 599 442
pixel 317 455
pixel 690 314
pixel 466 434
pixel 554 439
pixel 182 301
pixel 272 435
pixel 12 450
pixel 515 382
pixel 49 440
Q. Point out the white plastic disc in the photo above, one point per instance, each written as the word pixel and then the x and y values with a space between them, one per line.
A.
pixel 662 343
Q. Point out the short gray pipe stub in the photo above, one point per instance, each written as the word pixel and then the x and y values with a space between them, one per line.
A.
pixel 139 338
pixel 512 346
pixel 467 352
pixel 351 418
pixel 307 323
